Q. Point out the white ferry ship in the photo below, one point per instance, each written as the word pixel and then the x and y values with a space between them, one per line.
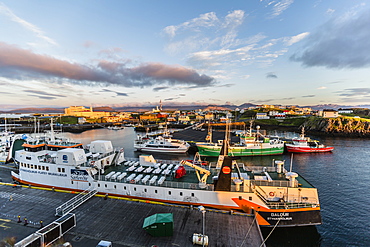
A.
pixel 277 197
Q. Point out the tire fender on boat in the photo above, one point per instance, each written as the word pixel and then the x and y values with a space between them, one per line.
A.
pixel 271 194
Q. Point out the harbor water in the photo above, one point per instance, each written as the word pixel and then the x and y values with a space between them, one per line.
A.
pixel 342 178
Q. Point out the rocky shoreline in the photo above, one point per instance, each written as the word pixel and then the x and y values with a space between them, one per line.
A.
pixel 341 127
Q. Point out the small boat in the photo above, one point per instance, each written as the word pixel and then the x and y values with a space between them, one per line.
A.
pixel 115 127
pixel 9 143
pixel 303 144
pixel 163 144
pixel 278 198
pixel 250 144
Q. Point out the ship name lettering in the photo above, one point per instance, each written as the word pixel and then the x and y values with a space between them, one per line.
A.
pixel 279 214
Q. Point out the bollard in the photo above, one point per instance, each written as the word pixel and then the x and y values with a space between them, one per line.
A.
pixel 106 197
pixel 41 225
pixel 19 219
pixel 25 221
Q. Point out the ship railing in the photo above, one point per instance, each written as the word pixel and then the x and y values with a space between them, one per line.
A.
pixel 169 184
pixel 274 183
pixel 76 201
pixel 288 205
pixel 175 162
pixel 192 186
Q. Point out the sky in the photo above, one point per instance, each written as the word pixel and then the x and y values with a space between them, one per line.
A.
pixel 134 53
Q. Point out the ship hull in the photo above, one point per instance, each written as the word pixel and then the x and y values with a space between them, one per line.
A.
pixel 163 150
pixel 205 150
pixel 287 217
pixel 295 149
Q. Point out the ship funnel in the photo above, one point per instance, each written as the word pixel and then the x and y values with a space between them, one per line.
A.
pixel 291 176
pixel 279 166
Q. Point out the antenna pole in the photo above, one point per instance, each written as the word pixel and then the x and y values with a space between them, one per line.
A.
pixel 291 162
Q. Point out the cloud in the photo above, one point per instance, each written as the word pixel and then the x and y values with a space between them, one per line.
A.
pixel 342 42
pixel 156 89
pixel 278 7
pixel 37 31
pixel 320 88
pixel 227 85
pixel 292 40
pixel 271 75
pixel 43 94
pixel 330 11
pixel 170 99
pixel 117 93
pixel 355 95
pixel 309 96
pixel 204 32
pixel 204 20
pixel 355 92
pixel 24 64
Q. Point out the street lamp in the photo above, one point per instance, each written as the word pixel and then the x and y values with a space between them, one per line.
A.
pixel 203 211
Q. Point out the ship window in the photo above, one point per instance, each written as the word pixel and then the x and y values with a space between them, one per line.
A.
pixel 63 170
pixel 58 169
pixel 115 186
pixel 43 167
pixel 89 184
pixel 144 190
pixel 47 168
pixel 250 198
pixel 105 185
pixel 71 182
pixel 39 167
pixel 180 193
pixel 31 166
pixel 169 192
pixel 192 194
pixel 98 185
pixel 28 165
pixel 28 158
pixel 156 191
pixel 124 187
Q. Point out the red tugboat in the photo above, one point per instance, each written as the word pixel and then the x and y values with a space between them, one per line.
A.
pixel 303 144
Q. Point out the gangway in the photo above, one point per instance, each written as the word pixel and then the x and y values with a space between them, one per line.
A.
pixel 117 157
pixel 76 201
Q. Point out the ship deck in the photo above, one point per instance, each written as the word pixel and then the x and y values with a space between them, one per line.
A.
pixel 191 180
pixel 119 221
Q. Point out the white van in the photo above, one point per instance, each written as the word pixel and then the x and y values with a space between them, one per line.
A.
pixel 104 243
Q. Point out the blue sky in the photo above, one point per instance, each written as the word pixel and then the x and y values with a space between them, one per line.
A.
pixel 117 53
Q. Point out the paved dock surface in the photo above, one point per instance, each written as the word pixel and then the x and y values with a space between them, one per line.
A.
pixel 119 221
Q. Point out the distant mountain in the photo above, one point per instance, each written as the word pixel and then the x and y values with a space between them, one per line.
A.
pixel 36 110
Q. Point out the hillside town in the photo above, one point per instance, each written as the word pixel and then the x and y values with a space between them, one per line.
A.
pixel 82 114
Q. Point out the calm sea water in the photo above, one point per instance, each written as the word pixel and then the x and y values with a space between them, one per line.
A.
pixel 342 178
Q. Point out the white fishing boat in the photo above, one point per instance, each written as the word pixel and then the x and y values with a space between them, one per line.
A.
pixel 162 144
pixel 277 197
pixel 116 127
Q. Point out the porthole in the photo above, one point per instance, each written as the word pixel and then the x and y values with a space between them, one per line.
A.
pixel 180 193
